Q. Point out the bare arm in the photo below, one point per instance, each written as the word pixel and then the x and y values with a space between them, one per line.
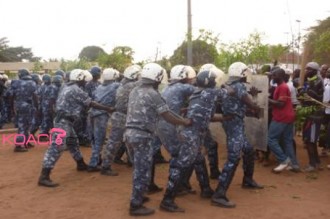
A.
pixel 101 107
pixel 277 103
pixel 175 119
pixel 217 118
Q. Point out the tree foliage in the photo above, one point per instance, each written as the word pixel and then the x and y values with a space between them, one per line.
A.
pixel 317 42
pixel 69 65
pixel 202 53
pixel 91 53
pixel 120 58
pixel 277 51
pixel 322 47
pixel 37 66
pixel 15 54
pixel 251 51
pixel 204 50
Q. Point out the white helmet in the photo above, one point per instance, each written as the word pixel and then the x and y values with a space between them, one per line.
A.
pixel 1 77
pixel 77 75
pixel 110 74
pixel 153 71
pixel 132 72
pixel 238 69
pixel 206 67
pixel 8 83
pixel 218 72
pixel 88 75
pixel 178 72
pixel 191 72
pixel 5 77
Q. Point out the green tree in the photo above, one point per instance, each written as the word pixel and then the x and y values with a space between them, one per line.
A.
pixel 276 52
pixel 37 66
pixel 69 65
pixel 316 45
pixel 120 58
pixel 203 52
pixel 91 53
pixel 322 47
pixel 251 51
pixel 15 54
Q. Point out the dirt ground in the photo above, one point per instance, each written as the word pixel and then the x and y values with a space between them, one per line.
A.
pixel 90 195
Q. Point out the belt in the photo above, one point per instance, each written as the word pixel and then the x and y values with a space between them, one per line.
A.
pixel 140 129
pixel 228 117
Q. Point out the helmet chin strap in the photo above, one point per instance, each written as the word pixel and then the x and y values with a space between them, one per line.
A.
pixel 156 85
pixel 81 83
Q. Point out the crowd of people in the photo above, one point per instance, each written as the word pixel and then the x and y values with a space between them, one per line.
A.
pixel 77 107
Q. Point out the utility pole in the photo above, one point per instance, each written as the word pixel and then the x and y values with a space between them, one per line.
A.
pixel 298 43
pixel 189 36
pixel 292 44
pixel 288 49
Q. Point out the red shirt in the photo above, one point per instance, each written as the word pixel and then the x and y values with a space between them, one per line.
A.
pixel 286 113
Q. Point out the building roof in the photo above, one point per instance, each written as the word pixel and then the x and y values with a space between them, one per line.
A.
pixel 15 66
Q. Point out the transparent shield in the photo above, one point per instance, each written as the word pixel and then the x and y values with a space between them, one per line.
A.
pixel 256 129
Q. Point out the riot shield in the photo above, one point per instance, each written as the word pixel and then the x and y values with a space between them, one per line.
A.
pixel 257 128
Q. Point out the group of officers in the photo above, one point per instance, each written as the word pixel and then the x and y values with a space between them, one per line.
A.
pixel 140 116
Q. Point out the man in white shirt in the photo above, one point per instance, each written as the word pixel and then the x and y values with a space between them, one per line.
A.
pixel 293 90
pixel 326 100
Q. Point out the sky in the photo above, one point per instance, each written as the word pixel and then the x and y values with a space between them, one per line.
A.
pixel 62 28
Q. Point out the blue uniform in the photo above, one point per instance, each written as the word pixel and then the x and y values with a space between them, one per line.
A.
pixel 23 91
pixel 118 120
pixel 176 95
pixel 5 107
pixel 35 115
pixel 48 95
pixel 85 131
pixel 104 94
pixel 144 108
pixel 237 141
pixel 70 103
pixel 201 109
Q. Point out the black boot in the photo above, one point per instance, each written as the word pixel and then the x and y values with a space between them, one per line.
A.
pixel 108 172
pixel 140 210
pixel 248 167
pixel 168 204
pixel 81 165
pixel 119 154
pixel 99 163
pixel 212 154
pixel 158 157
pixel 44 179
pixel 174 179
pixel 203 179
pixel 220 199
pixel 20 149
pixel 207 192
pixel 153 188
pixel 214 173
pixel 249 183
pixel 91 169
pixel 185 186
